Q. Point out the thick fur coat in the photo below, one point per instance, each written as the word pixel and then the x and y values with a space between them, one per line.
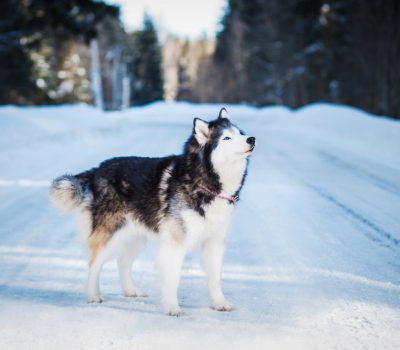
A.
pixel 185 200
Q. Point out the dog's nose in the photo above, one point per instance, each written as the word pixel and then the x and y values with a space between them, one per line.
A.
pixel 251 140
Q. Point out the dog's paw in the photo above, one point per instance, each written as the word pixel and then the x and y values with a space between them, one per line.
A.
pixel 97 299
pixel 173 311
pixel 135 293
pixel 222 306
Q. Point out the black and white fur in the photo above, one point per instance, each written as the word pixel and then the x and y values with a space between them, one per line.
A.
pixel 181 199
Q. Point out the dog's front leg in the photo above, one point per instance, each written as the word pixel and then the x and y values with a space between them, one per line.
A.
pixel 213 253
pixel 170 259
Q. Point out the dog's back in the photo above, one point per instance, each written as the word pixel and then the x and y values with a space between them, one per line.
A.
pixel 117 187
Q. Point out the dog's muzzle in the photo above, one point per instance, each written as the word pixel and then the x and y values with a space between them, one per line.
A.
pixel 252 142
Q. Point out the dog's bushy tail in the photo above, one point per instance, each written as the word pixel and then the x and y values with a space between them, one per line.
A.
pixel 66 193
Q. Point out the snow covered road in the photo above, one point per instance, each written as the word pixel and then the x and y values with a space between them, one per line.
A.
pixel 313 257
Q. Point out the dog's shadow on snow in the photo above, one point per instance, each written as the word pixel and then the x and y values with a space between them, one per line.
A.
pixel 40 296
pixel 263 300
pixel 70 299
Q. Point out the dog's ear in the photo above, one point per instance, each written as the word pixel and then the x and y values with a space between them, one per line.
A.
pixel 201 130
pixel 223 114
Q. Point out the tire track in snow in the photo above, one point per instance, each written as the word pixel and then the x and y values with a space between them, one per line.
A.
pixel 355 216
pixel 371 230
pixel 376 180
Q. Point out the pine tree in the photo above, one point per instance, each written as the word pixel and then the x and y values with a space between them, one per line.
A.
pixel 299 51
pixel 147 70
pixel 183 92
pixel 29 26
pixel 16 82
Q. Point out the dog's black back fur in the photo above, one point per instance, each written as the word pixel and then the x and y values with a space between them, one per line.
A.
pixel 134 185
pixel 127 184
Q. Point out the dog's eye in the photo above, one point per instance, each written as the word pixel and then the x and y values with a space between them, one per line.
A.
pixel 226 138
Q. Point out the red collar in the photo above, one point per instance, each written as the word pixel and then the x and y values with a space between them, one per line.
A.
pixel 230 199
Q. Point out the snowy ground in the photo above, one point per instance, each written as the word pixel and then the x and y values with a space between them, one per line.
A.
pixel 312 259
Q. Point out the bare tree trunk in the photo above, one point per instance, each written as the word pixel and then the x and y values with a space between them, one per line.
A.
pixel 126 88
pixel 96 75
pixel 116 79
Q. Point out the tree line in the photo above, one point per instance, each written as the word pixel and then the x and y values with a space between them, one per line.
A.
pixel 296 52
pixel 266 52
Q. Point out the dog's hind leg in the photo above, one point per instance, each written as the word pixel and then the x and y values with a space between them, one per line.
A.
pixel 102 248
pixel 125 260
pixel 97 260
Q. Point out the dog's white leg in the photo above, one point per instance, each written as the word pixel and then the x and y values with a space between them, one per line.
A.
pixel 213 253
pixel 93 288
pixel 170 259
pixel 125 260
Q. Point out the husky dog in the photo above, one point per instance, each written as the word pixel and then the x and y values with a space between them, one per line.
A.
pixel 186 200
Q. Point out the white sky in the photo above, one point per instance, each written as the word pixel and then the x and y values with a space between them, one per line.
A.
pixel 186 18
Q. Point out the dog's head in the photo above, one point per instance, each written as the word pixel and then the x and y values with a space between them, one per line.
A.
pixel 222 140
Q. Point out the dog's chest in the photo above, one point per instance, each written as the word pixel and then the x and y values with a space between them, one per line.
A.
pixel 218 214
pixel 214 223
